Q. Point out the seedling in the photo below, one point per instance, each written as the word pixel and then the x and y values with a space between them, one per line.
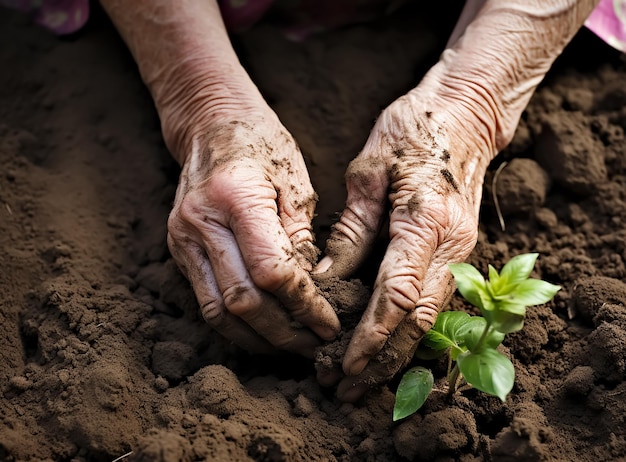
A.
pixel 472 341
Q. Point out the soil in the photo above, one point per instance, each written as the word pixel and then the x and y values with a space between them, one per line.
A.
pixel 102 350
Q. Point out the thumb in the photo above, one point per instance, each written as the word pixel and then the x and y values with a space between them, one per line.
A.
pixel 352 236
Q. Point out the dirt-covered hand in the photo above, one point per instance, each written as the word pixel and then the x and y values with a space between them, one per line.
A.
pixel 240 230
pixel 241 225
pixel 423 160
pixel 426 159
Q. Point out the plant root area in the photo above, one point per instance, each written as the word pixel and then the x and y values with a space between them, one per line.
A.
pixel 103 353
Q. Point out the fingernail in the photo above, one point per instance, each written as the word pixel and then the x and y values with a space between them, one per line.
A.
pixel 323 265
pixel 326 333
pixel 351 392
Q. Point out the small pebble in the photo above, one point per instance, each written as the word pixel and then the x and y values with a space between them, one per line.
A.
pixel 20 383
pixel 161 384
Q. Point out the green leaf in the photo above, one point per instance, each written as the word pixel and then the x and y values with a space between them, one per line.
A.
pixel 489 371
pixel 469 282
pixel 473 330
pixel 507 306
pixel 506 322
pixel 494 279
pixel 518 269
pixel 444 333
pixel 533 292
pixel 414 388
pixel 489 303
pixel 491 291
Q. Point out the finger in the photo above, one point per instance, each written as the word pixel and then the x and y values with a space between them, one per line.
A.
pixel 413 276
pixel 329 377
pixel 398 285
pixel 195 265
pixel 398 350
pixel 354 233
pixel 243 299
pixel 295 211
pixel 296 207
pixel 270 259
pixel 385 364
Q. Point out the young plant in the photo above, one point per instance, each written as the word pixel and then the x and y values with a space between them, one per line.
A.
pixel 472 341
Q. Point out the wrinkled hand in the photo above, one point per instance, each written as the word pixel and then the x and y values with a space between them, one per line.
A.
pixel 427 157
pixel 240 230
pixel 421 160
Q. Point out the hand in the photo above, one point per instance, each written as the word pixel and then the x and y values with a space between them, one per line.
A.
pixel 423 158
pixel 240 230
pixel 428 154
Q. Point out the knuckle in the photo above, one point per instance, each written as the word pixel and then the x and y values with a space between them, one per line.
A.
pixel 175 230
pixel 212 312
pixel 297 231
pixel 174 220
pixel 283 342
pixel 376 338
pixel 403 292
pixel 380 333
pixel 272 274
pixel 467 232
pixel 241 300
pixel 405 339
pixel 180 216
pixel 424 317
pixel 365 181
pixel 172 245
pixel 355 226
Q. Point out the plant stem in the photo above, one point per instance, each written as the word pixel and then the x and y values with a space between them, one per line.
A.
pixel 453 376
pixel 482 338
pixel 453 379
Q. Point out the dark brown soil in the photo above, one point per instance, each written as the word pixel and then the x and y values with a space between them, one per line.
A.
pixel 102 351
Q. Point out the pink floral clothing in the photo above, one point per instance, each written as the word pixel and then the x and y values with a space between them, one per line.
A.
pixel 608 21
pixel 305 17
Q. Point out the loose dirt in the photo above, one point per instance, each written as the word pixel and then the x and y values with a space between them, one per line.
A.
pixel 102 351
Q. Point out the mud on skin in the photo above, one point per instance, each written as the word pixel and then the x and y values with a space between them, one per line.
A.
pixel 88 290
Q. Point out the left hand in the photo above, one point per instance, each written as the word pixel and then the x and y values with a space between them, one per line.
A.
pixel 425 158
pixel 428 154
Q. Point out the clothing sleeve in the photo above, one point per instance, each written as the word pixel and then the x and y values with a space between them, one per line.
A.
pixel 608 21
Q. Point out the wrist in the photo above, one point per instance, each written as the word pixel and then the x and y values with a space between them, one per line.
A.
pixel 185 57
pixel 494 67
pixel 462 132
pixel 468 104
pixel 194 102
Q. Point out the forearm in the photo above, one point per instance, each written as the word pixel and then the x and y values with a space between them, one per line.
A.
pixel 186 59
pixel 503 54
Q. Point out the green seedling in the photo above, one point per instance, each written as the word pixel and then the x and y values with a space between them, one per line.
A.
pixel 472 341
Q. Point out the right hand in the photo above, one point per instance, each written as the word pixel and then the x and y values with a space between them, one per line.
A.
pixel 240 231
